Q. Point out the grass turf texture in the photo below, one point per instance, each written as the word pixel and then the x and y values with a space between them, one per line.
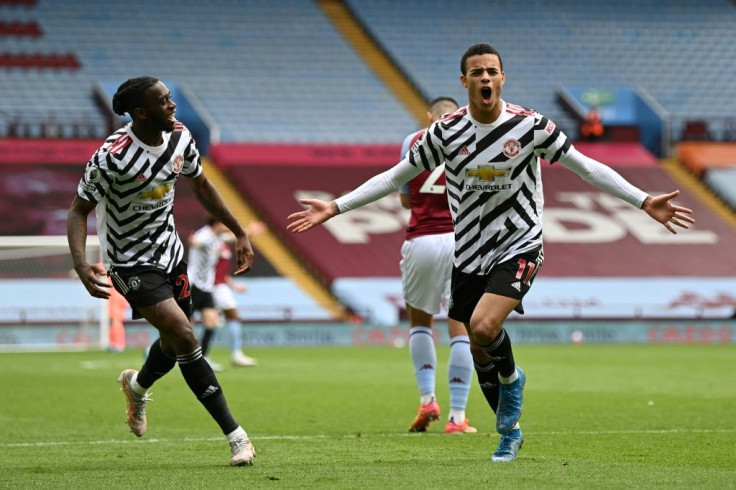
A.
pixel 337 418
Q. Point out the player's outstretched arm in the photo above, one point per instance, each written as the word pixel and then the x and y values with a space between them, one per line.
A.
pixel 661 209
pixel 317 212
pixel 606 179
pixel 371 190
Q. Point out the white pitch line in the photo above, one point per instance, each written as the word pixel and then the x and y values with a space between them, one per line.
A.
pixel 353 436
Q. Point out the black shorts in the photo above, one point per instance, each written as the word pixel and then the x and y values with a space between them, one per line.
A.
pixel 511 278
pixel 147 285
pixel 201 299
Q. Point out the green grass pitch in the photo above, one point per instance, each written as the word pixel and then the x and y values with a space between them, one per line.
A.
pixel 595 416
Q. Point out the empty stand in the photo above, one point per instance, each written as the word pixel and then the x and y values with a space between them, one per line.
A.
pixel 39 61
pixel 571 42
pixel 266 71
pixel 279 71
pixel 18 3
pixel 20 29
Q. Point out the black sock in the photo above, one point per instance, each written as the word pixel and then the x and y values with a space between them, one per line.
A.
pixel 203 383
pixel 206 339
pixel 501 354
pixel 488 381
pixel 157 364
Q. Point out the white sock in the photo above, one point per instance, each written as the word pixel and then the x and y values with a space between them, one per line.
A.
pixel 238 433
pixel 424 399
pixel 424 358
pixel 138 389
pixel 510 379
pixel 459 374
pixel 457 416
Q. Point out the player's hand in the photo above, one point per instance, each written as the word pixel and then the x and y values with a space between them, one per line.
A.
pixel 90 276
pixel 661 209
pixel 239 288
pixel 317 212
pixel 244 254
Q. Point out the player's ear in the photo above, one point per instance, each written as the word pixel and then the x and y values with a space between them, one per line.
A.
pixel 140 113
pixel 463 81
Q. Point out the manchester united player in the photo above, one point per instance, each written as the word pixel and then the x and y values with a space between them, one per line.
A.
pixel 131 181
pixel 491 151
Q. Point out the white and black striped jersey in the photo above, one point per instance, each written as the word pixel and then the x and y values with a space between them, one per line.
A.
pixel 493 176
pixel 133 186
pixel 204 251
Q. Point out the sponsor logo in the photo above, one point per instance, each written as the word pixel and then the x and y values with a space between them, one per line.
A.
pixel 151 207
pixel 457 380
pixel 140 178
pixel 134 283
pixel 511 148
pixel 488 385
pixel 157 193
pixel 487 187
pixel 550 127
pixel 464 151
pixel 427 366
pixel 89 188
pixel 516 285
pixel 211 390
pixel 486 172
pixel 178 164
pixel 92 175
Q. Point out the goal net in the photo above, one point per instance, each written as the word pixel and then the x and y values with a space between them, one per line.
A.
pixel 43 305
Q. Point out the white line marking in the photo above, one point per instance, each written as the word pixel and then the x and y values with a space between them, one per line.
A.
pixel 353 436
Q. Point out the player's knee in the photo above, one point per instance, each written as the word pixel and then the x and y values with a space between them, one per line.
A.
pixel 181 338
pixel 485 330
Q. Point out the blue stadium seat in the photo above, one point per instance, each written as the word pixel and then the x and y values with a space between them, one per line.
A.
pixel 266 71
pixel 674 49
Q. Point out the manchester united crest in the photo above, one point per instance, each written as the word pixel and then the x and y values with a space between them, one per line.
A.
pixel 178 163
pixel 511 148
pixel 134 283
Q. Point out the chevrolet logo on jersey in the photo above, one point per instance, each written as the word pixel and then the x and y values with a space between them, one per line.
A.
pixel 157 193
pixel 486 172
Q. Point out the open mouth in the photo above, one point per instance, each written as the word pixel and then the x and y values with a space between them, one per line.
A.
pixel 486 93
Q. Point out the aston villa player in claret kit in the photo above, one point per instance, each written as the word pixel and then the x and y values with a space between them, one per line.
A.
pixel 131 181
pixel 426 267
pixel 492 153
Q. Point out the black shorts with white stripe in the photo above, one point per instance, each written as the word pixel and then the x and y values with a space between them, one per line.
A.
pixel 147 285
pixel 511 278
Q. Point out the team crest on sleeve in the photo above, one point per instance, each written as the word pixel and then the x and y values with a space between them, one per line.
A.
pixel 511 148
pixel 550 127
pixel 92 175
pixel 178 163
